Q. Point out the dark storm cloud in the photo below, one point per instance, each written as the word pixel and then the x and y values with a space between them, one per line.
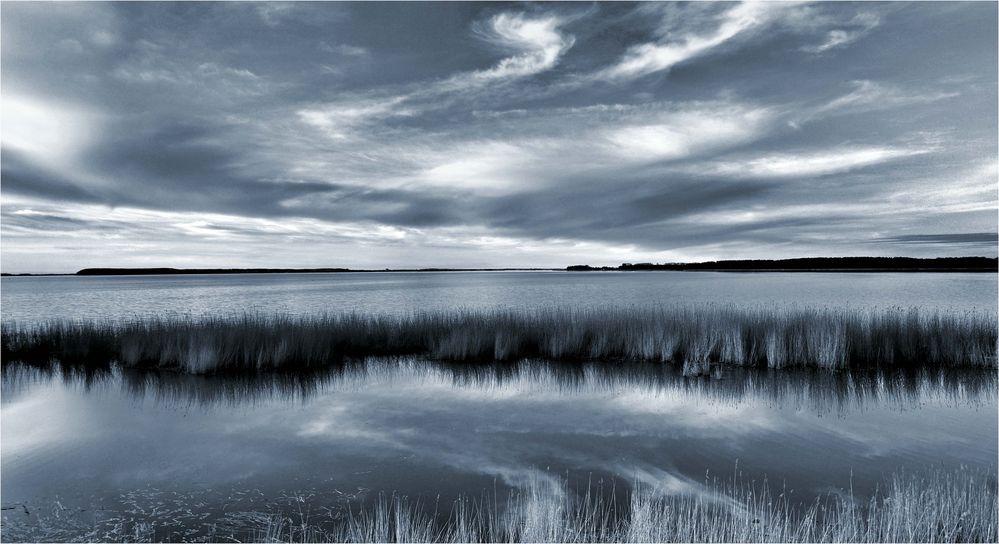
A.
pixel 652 131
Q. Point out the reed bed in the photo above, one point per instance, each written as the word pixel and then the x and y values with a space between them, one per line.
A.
pixel 953 506
pixel 697 338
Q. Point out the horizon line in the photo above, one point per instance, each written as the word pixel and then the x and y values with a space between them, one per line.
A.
pixel 164 270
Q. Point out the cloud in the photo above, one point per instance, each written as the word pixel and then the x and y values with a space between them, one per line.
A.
pixel 537 42
pixel 341 121
pixel 272 13
pixel 859 26
pixel 493 166
pixel 675 48
pixel 153 65
pixel 689 132
pixel 23 176
pixel 605 143
pixel 822 163
pixel 84 217
pixel 48 130
pixel 346 50
pixel 491 155
pixel 962 188
pixel 869 95
pixel 650 214
pixel 983 239
pixel 537 45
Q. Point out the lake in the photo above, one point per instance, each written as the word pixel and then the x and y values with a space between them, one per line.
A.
pixel 34 299
pixel 132 441
pixel 175 456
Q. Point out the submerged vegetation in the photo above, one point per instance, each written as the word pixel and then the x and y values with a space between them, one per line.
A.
pixel 958 506
pixel 697 338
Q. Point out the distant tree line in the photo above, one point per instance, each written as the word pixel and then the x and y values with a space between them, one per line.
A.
pixel 861 264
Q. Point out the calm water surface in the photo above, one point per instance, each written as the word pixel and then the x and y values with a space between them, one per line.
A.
pixel 33 299
pixel 425 431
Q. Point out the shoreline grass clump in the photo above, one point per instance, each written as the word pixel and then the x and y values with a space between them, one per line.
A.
pixel 696 338
pixel 939 506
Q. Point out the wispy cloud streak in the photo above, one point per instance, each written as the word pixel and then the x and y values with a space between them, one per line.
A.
pixel 682 45
pixel 860 25
pixel 822 163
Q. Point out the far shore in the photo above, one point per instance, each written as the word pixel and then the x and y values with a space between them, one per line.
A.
pixel 808 264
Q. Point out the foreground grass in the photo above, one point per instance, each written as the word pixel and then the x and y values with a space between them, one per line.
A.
pixel 957 506
pixel 694 337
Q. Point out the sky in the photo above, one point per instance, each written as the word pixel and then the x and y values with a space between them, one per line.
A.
pixel 392 135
